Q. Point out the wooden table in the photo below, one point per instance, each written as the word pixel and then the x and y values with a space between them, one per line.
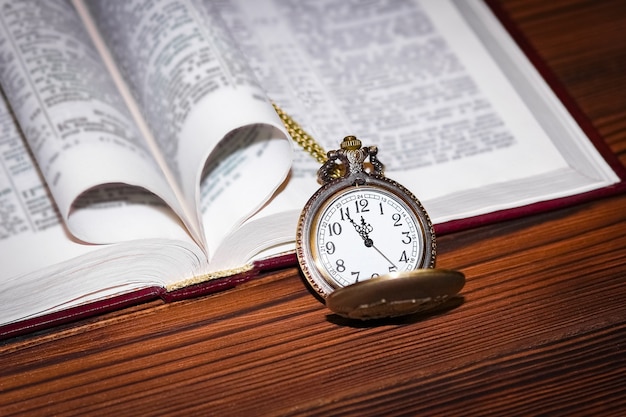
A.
pixel 541 327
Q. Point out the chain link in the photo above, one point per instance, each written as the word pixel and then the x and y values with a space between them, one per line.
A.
pixel 301 137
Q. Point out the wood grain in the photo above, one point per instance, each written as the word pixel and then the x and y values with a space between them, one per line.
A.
pixel 540 328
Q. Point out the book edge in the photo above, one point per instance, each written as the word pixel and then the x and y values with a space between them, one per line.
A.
pixel 558 89
pixel 73 314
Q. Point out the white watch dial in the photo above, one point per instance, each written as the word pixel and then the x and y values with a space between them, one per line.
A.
pixel 363 233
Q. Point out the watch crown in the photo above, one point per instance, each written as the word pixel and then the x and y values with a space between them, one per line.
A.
pixel 351 143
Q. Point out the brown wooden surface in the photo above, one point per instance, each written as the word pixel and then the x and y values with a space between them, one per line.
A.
pixel 541 328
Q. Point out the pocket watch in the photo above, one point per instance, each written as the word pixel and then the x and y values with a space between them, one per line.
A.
pixel 365 244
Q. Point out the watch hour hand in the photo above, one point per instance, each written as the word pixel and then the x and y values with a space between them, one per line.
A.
pixel 363 230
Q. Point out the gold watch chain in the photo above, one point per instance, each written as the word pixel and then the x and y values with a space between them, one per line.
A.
pixel 301 137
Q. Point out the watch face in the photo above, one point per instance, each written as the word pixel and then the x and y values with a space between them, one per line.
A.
pixel 353 233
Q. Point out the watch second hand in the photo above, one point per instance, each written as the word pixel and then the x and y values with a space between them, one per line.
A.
pixel 364 231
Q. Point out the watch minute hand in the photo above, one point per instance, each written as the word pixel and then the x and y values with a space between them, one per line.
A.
pixel 363 230
pixel 383 255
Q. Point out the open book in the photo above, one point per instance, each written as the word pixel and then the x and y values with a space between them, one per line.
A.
pixel 140 150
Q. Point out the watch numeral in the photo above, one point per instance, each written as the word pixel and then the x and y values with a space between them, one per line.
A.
pixel 357 275
pixel 361 206
pixel 396 219
pixel 347 215
pixel 339 265
pixel 334 229
pixel 330 248
pixel 403 257
pixel 381 208
pixel 407 239
pixel 393 268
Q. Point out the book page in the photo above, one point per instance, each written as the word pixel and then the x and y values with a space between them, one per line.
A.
pixel 26 207
pixel 33 235
pixel 219 137
pixel 413 78
pixel 45 269
pixel 460 116
pixel 78 128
